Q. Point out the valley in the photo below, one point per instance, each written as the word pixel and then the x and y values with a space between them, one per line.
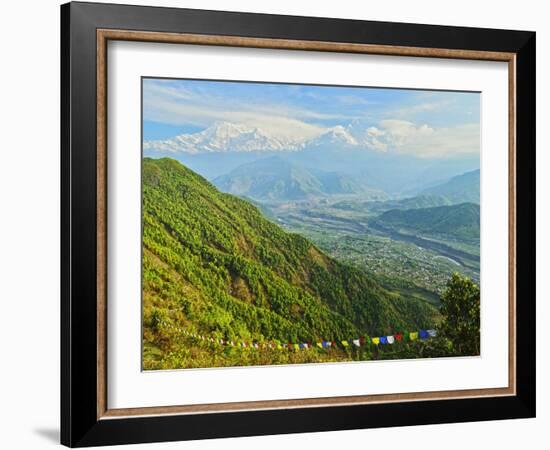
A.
pixel 414 243
pixel 404 259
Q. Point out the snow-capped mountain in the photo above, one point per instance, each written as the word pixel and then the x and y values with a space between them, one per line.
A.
pixel 337 135
pixel 240 138
pixel 224 137
pixel 233 137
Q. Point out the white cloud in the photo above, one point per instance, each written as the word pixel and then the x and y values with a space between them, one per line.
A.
pixel 424 141
pixel 176 106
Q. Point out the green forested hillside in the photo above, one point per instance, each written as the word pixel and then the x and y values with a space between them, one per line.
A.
pixel 421 201
pixel 212 264
pixel 457 221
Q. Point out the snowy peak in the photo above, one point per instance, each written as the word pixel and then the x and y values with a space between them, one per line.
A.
pixel 235 137
pixel 224 137
pixel 337 135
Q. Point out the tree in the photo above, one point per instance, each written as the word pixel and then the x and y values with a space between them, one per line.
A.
pixel 460 309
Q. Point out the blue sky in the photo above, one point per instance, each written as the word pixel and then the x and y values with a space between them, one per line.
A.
pixel 172 107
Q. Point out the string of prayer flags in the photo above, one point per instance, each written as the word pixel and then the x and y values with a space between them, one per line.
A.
pixel 355 342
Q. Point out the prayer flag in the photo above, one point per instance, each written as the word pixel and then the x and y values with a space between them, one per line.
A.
pixel 413 336
pixel 391 339
pixel 357 343
pixel 345 343
pixel 383 340
pixel 320 344
pixel 432 333
pixel 399 336
pixel 423 334
pixel 376 340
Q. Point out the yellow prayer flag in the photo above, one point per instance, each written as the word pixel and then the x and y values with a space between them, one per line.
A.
pixel 297 346
pixel 345 343
pixel 279 346
pixel 413 336
pixel 376 340
pixel 320 344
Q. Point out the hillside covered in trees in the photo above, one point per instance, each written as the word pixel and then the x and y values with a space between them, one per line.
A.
pixel 214 265
pixel 456 221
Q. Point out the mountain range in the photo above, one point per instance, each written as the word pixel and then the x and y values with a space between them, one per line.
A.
pixel 233 137
pixel 276 179
pixel 212 263
pixel 346 150
pixel 461 188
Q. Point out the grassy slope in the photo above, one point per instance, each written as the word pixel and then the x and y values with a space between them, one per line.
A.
pixel 213 264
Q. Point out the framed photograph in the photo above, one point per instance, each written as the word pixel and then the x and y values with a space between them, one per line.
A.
pixel 276 224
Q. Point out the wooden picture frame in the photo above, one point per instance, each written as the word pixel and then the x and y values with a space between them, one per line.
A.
pixel 86 418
